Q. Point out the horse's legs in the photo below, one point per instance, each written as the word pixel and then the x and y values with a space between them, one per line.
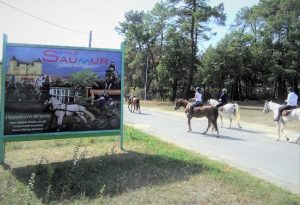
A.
pixel 278 129
pixel 208 126
pixel 129 107
pixel 83 118
pixel 230 120
pixel 284 134
pixel 59 122
pixel 221 120
pixel 189 123
pixel 215 125
pixel 51 120
pixel 109 85
pixel 139 108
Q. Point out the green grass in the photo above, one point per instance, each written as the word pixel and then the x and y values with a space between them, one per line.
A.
pixel 95 171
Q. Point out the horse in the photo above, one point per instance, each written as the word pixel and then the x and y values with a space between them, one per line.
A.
pixel 210 112
pixel 60 109
pixel 228 110
pixel 133 102
pixel 288 115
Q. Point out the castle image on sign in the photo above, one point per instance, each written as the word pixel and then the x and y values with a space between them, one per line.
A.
pixel 24 71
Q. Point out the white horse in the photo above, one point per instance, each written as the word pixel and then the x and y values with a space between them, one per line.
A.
pixel 294 115
pixel 62 110
pixel 228 110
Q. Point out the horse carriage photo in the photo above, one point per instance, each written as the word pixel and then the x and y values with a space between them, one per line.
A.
pixel 70 107
pixel 80 113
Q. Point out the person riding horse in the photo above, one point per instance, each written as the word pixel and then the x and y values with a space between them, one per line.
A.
pixel 110 75
pixel 291 103
pixel 102 100
pixel 197 101
pixel 223 98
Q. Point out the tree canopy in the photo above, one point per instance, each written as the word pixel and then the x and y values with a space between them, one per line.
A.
pixel 258 59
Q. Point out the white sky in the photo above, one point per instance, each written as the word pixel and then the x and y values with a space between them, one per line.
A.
pixel 99 16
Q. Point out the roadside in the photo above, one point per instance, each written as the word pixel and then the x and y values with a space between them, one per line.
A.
pixel 150 171
pixel 253 148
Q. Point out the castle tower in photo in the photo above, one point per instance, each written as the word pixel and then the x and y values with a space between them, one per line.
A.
pixel 21 70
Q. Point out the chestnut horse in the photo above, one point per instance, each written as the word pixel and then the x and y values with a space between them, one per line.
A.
pixel 210 112
pixel 133 102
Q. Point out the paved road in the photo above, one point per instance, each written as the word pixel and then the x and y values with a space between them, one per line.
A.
pixel 252 148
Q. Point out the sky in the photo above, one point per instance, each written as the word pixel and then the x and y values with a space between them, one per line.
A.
pixel 79 17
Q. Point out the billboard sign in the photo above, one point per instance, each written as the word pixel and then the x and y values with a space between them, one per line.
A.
pixel 54 89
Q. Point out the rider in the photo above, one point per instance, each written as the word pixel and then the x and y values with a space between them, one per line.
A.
pixel 110 76
pixel 197 101
pixel 291 103
pixel 102 100
pixel 223 98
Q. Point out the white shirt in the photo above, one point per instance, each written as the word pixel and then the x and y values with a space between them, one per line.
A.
pixel 292 99
pixel 198 97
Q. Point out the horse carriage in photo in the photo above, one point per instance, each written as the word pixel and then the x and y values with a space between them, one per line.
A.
pixel 107 109
pixel 80 112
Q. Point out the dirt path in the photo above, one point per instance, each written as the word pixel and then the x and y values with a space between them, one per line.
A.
pixel 253 148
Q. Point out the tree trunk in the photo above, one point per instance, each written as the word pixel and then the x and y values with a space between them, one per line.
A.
pixel 192 56
pixel 281 88
pixel 174 89
pixel 295 85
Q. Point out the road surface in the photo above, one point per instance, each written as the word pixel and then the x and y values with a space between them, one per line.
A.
pixel 253 148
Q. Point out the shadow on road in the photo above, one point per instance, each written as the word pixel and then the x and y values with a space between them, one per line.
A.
pixel 221 136
pixel 246 130
pixel 142 113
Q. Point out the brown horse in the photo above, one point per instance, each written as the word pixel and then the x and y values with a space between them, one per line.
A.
pixel 210 112
pixel 133 103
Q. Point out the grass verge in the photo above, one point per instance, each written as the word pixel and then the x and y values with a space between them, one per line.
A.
pixel 95 171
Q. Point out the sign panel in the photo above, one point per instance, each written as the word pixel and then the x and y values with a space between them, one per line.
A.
pixel 61 89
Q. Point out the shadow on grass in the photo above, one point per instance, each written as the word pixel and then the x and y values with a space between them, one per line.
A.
pixel 104 176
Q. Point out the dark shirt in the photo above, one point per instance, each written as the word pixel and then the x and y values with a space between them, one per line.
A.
pixel 223 98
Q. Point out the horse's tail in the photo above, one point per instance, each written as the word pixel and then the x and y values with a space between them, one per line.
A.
pixel 236 112
pixel 138 104
pixel 91 116
pixel 215 114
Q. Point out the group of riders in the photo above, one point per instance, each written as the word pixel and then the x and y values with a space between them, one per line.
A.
pixel 291 101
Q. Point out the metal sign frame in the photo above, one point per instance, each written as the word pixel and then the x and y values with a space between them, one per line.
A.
pixel 55 135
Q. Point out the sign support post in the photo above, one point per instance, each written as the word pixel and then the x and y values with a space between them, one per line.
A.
pixel 2 150
pixel 2 98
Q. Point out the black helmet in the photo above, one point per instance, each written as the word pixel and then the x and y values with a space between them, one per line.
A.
pixel 197 88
